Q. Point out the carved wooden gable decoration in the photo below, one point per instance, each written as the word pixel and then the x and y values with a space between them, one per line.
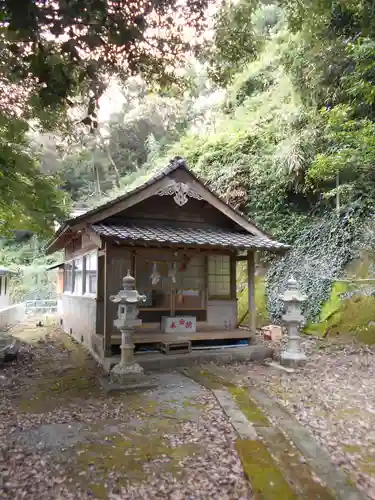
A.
pixel 180 191
pixel 119 219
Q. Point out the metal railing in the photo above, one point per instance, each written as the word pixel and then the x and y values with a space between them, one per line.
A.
pixel 44 306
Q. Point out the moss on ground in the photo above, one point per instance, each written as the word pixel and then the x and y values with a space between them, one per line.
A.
pixel 53 390
pixel 57 382
pixel 103 464
pixel 265 477
pixel 265 471
pixel 63 375
pixel 288 460
pixel 248 407
pixel 239 394
pixel 352 448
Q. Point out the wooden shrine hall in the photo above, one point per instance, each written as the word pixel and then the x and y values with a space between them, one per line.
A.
pixel 180 241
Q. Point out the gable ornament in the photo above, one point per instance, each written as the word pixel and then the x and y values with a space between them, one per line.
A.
pixel 180 191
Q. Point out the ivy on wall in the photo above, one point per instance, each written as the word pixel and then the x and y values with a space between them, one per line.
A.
pixel 317 258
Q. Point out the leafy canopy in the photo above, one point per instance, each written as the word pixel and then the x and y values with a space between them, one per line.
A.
pixel 54 50
pixel 57 53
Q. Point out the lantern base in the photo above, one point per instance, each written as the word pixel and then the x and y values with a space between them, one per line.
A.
pixel 127 377
pixel 123 373
pixel 292 359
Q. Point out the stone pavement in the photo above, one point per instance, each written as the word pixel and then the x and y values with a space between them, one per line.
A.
pixel 197 435
pixel 63 438
pixel 272 441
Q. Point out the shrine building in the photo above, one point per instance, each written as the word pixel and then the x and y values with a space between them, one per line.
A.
pixel 180 242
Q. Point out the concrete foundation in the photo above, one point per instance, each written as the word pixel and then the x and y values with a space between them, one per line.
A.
pixel 158 361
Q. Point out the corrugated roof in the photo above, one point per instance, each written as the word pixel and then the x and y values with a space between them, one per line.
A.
pixel 5 270
pixel 187 236
pixel 55 266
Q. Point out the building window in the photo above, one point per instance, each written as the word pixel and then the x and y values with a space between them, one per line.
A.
pixel 219 276
pixel 78 276
pixel 91 272
pixel 68 277
pixel 1 285
pixel 5 285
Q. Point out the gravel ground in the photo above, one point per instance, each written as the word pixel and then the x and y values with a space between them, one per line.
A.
pixel 62 438
pixel 333 396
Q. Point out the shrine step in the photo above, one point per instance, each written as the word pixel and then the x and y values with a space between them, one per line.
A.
pixel 176 347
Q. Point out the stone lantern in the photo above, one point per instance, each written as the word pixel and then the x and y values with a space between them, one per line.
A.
pixel 128 300
pixel 293 318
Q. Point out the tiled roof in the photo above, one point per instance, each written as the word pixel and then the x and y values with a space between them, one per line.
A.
pixel 188 236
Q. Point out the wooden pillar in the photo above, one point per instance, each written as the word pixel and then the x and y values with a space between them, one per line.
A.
pixel 107 292
pixel 233 277
pixel 251 290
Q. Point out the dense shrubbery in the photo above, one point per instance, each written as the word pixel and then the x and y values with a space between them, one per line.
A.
pixel 27 258
pixel 317 258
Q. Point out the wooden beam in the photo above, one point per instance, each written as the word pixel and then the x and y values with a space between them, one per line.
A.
pixel 241 258
pixel 124 204
pixel 233 277
pixel 251 290
pixel 95 238
pixel 194 250
pixel 107 324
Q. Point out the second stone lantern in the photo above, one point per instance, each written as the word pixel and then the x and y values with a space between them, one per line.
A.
pixel 293 318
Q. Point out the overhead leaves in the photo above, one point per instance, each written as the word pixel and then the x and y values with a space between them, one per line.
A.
pixel 54 50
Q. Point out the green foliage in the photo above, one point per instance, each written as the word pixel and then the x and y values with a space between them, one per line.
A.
pixel 241 30
pixel 262 317
pixel 290 141
pixel 317 258
pixel 27 258
pixel 234 41
pixel 356 320
pixel 29 199
pixel 330 313
pixel 350 152
pixel 55 50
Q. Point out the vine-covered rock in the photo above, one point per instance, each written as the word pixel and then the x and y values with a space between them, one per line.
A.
pixel 317 259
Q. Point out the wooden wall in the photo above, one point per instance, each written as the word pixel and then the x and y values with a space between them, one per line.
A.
pixel 118 260
pixel 79 245
pixel 163 210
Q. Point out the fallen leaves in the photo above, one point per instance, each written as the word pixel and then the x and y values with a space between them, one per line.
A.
pixel 37 466
pixel 333 396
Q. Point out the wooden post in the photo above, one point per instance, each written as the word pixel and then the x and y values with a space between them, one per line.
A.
pixel 233 277
pixel 107 320
pixel 251 290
